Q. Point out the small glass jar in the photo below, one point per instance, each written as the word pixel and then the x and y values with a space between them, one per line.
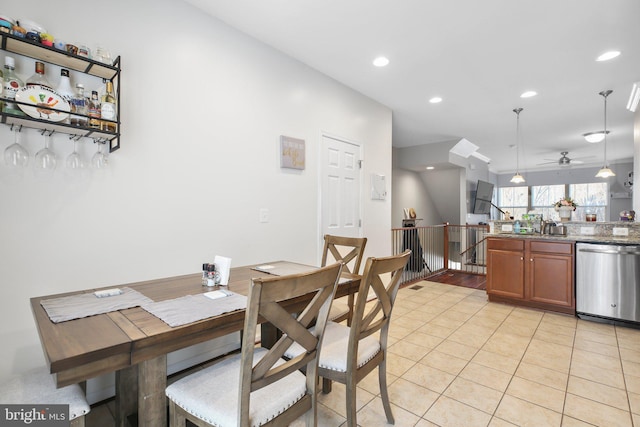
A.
pixel 211 275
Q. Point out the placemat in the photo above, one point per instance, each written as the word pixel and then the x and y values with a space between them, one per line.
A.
pixel 191 308
pixel 284 268
pixel 84 305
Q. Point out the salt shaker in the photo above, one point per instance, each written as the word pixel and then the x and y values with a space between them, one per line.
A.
pixel 205 274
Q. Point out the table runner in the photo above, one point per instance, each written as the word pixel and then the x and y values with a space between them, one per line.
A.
pixel 191 308
pixel 84 305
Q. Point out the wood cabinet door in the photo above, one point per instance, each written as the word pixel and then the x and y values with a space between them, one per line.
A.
pixel 505 273
pixel 551 279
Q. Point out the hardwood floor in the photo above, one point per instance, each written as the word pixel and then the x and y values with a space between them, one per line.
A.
pixel 475 281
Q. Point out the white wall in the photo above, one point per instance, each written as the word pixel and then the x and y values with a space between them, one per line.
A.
pixel 409 191
pixel 202 109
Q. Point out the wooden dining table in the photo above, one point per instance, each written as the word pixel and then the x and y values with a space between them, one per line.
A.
pixel 134 343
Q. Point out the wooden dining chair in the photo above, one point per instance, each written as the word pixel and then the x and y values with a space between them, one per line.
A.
pixel 259 387
pixel 351 353
pixel 37 387
pixel 350 251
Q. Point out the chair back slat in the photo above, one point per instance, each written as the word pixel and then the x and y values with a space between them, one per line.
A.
pixel 265 304
pixel 383 276
pixel 349 250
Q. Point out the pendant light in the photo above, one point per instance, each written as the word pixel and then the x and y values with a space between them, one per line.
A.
pixel 517 178
pixel 605 172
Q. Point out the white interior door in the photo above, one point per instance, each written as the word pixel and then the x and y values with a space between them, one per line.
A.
pixel 340 192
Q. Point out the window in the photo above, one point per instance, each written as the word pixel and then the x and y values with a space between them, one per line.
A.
pixel 514 200
pixel 543 198
pixel 591 198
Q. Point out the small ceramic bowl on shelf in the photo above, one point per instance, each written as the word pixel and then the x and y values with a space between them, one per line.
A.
pixel 71 48
pixel 6 23
pixel 33 36
pixel 84 51
pixel 18 31
pixel 46 39
pixel 5 27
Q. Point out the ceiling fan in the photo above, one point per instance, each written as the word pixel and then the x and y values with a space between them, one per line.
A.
pixel 564 160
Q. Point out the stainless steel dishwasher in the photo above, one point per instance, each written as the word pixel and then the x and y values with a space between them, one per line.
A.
pixel 608 281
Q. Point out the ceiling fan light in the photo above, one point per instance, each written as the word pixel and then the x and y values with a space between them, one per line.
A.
pixel 605 172
pixel 517 178
pixel 594 137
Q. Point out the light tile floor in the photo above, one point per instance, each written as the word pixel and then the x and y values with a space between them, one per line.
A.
pixel 456 359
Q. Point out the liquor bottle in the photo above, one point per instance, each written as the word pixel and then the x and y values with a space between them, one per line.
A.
pixel 38 78
pixel 94 110
pixel 108 109
pixel 12 84
pixel 65 90
pixel 79 106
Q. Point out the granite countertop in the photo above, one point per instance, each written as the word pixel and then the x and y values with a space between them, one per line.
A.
pixel 570 238
pixel 612 232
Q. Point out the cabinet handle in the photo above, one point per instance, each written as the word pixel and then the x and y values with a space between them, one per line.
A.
pixel 531 259
pixel 521 258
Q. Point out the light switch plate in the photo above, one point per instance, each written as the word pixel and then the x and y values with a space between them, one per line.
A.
pixel 264 215
pixel 587 230
pixel 507 227
pixel 620 231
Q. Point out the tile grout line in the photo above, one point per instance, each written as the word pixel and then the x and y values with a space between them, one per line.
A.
pixel 504 393
pixel 624 377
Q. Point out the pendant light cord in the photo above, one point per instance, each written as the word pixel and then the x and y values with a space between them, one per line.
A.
pixel 517 111
pixel 605 94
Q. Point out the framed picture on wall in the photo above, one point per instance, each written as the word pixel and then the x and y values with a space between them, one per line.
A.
pixel 292 152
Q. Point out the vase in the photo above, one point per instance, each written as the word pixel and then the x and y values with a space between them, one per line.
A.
pixel 565 213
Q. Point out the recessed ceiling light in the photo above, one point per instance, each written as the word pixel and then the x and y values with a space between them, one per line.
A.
pixel 430 168
pixel 529 94
pixel 381 61
pixel 435 100
pixel 608 55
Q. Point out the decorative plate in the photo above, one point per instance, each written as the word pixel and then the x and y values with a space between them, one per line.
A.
pixel 42 100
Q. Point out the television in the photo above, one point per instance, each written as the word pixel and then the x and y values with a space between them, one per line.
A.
pixel 484 194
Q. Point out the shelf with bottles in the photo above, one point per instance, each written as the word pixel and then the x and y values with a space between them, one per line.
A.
pixel 100 72
pixel 112 138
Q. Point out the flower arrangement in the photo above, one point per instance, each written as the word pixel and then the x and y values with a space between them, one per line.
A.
pixel 565 202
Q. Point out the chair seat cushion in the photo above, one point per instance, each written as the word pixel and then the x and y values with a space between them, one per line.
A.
pixel 339 307
pixel 335 343
pixel 38 387
pixel 212 394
